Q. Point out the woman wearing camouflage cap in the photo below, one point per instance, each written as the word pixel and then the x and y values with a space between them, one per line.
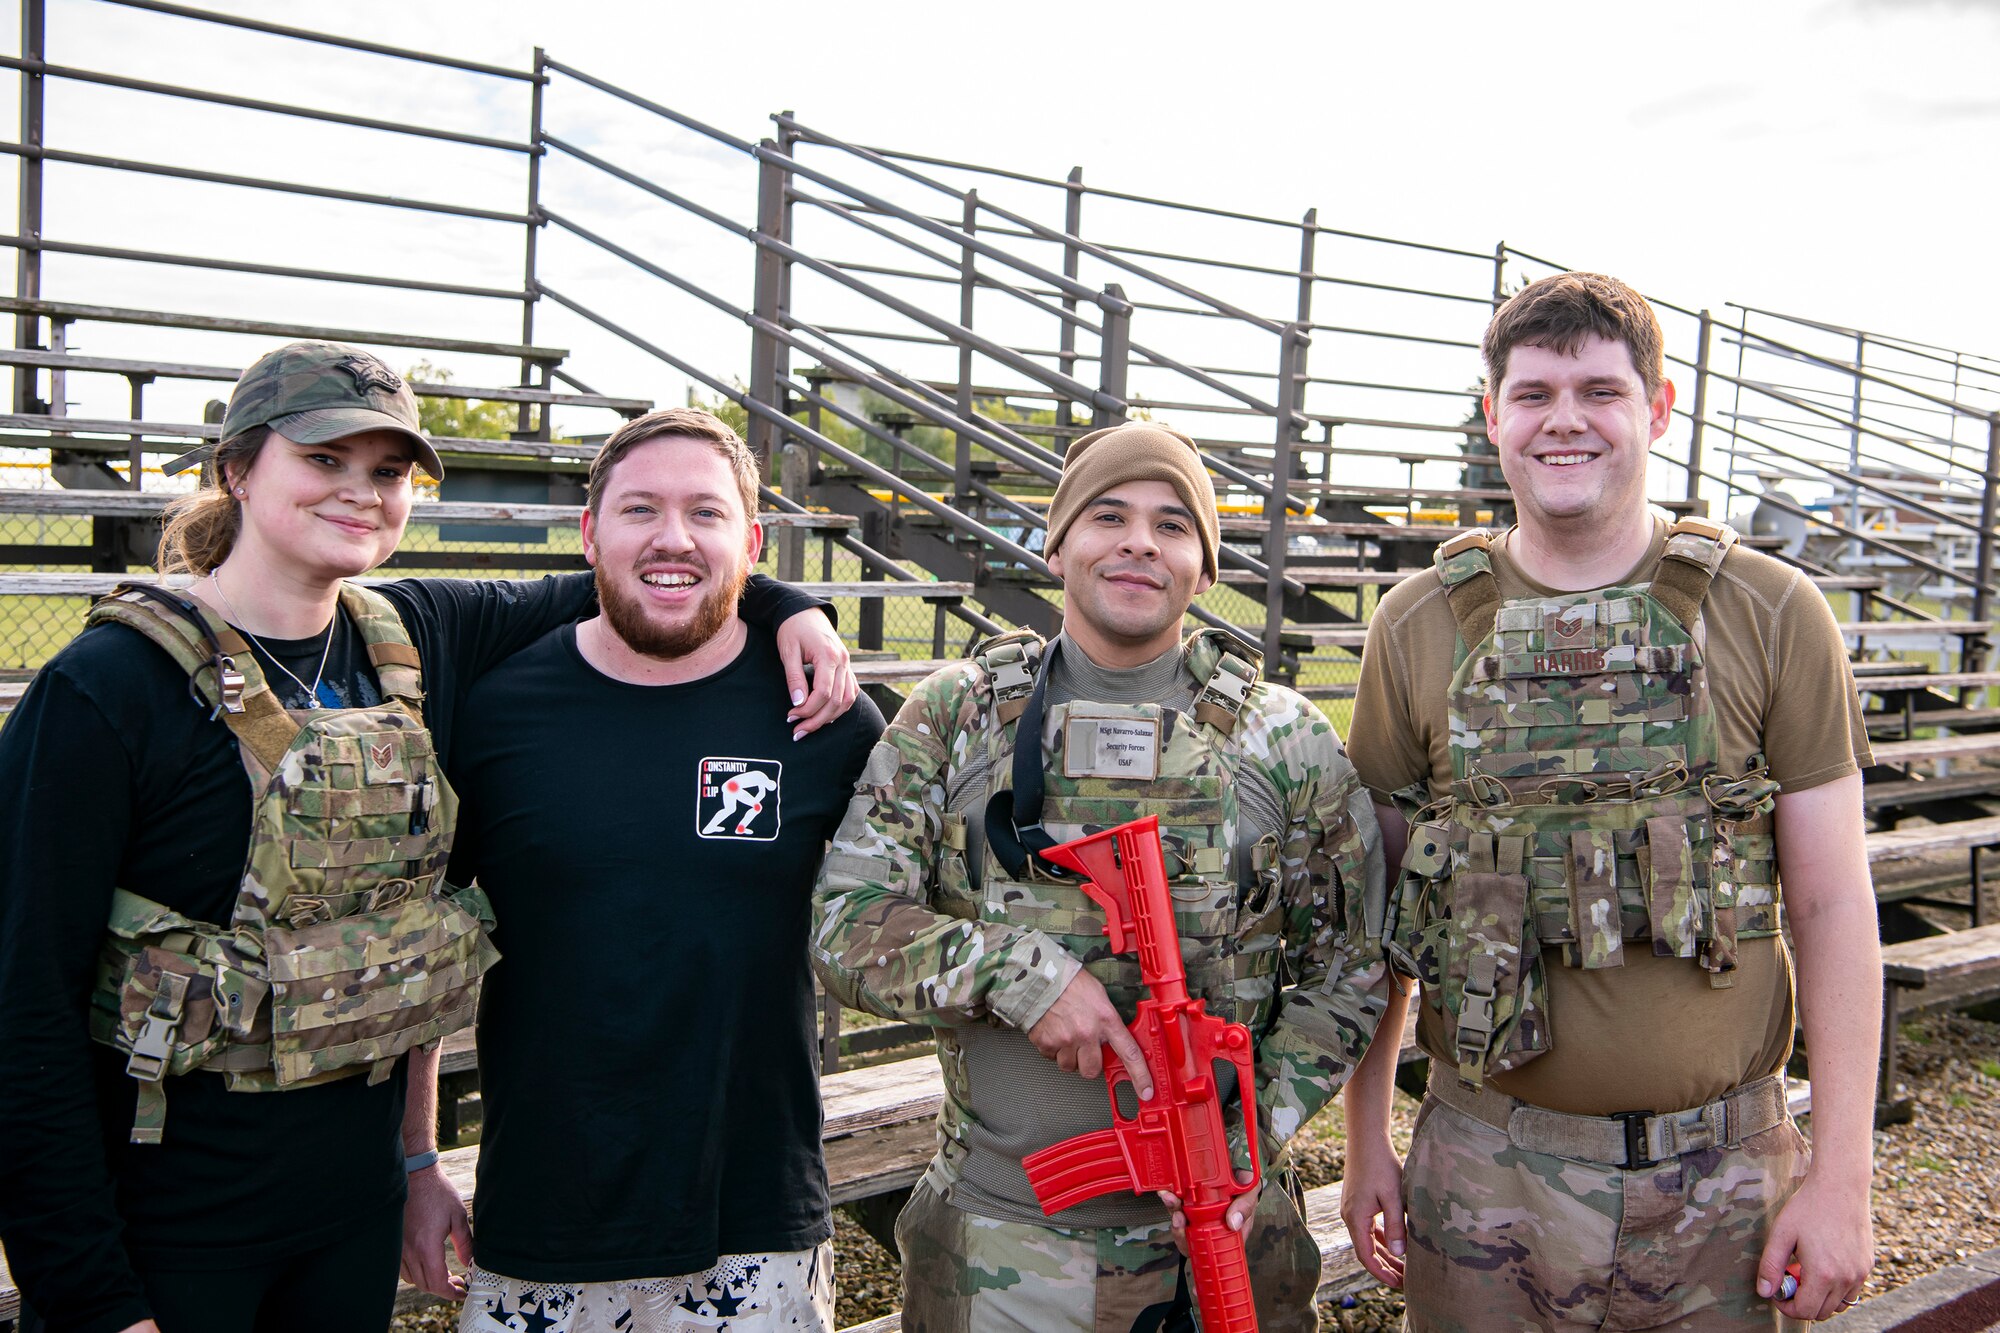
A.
pixel 275 705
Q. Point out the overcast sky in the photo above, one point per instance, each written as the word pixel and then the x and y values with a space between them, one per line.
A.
pixel 1834 158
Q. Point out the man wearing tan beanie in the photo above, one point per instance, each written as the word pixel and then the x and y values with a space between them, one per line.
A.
pixel 932 908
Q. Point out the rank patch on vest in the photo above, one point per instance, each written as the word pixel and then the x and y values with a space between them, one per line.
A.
pixel 738 799
pixel 382 761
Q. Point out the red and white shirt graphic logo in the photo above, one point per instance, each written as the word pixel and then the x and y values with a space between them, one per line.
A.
pixel 738 799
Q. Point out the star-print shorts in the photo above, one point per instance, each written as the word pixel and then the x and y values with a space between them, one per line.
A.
pixel 743 1293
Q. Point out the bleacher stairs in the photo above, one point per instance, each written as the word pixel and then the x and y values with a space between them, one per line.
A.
pixel 913 431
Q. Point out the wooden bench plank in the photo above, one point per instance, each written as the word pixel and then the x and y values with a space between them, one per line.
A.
pixel 1941 958
pixel 1903 629
pixel 1868 668
pixel 1922 680
pixel 1900 792
pixel 1905 844
pixel 1325 578
pixel 146 504
pixel 104 314
pixel 114 437
pixel 1937 747
pixel 1958 720
pixel 901 672
pixel 97 585
pixel 180 370
pixel 1338 636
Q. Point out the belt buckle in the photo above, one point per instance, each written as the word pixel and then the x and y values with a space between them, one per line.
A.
pixel 1635 1139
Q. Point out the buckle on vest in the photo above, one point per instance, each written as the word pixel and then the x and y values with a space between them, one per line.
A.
pixel 1012 679
pixel 155 1043
pixel 1637 1149
pixel 228 687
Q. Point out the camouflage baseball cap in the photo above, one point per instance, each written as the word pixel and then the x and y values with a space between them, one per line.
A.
pixel 316 392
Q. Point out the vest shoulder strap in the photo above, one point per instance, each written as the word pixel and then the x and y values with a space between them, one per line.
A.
pixel 221 669
pixel 1465 566
pixel 1226 668
pixel 1010 662
pixel 398 666
pixel 1695 549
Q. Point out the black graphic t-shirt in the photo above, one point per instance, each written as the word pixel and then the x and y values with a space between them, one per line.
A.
pixel 646 1044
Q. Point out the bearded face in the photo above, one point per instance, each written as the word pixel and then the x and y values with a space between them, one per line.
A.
pixel 671 546
pixel 647 628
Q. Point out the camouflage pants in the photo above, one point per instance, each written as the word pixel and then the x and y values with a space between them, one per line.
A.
pixel 1501 1238
pixel 966 1274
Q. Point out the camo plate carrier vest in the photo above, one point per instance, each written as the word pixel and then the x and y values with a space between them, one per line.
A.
pixel 345 948
pixel 1224 883
pixel 1587 807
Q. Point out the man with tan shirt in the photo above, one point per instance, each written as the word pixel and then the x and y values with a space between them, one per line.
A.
pixel 1606 744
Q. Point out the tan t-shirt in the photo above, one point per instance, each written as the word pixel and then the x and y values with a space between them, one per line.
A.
pixel 1653 1034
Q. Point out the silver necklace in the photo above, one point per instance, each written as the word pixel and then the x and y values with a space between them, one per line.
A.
pixel 312 690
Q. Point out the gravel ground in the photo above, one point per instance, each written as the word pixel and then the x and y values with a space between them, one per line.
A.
pixel 1937 1182
pixel 1937 1179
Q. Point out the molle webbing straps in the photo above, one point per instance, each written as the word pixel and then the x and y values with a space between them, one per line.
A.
pixel 1695 548
pixel 1014 815
pixel 228 682
pixel 1465 565
pixel 1490 902
pixel 398 668
pixel 219 663
pixel 263 727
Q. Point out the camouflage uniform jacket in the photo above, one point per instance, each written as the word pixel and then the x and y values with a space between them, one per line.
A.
pixel 896 932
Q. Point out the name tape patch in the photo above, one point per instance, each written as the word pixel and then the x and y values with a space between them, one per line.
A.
pixel 1111 747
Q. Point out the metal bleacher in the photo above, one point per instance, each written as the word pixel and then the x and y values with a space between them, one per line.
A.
pixel 910 343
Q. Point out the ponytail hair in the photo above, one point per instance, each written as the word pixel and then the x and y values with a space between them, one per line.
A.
pixel 201 528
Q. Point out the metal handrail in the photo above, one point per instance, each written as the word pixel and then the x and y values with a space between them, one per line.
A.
pixel 1841 529
pixel 1207 210
pixel 1913 346
pixel 1040 230
pixel 1863 373
pixel 260 183
pixel 859 463
pixel 648 104
pixel 1862 482
pixel 874 559
pixel 947 421
pixel 987 280
pixel 326 39
pixel 79 75
pixel 267 270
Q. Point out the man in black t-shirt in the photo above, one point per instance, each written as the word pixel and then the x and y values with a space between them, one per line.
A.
pixel 651 1143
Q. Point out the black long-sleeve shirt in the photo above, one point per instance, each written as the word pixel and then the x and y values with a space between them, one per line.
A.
pixel 111 775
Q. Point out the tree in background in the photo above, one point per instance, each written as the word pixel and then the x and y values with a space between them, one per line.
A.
pixel 463 418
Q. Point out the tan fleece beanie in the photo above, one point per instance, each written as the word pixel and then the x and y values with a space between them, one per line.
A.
pixel 1135 451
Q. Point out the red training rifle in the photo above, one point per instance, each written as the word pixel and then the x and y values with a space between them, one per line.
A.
pixel 1177 1141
